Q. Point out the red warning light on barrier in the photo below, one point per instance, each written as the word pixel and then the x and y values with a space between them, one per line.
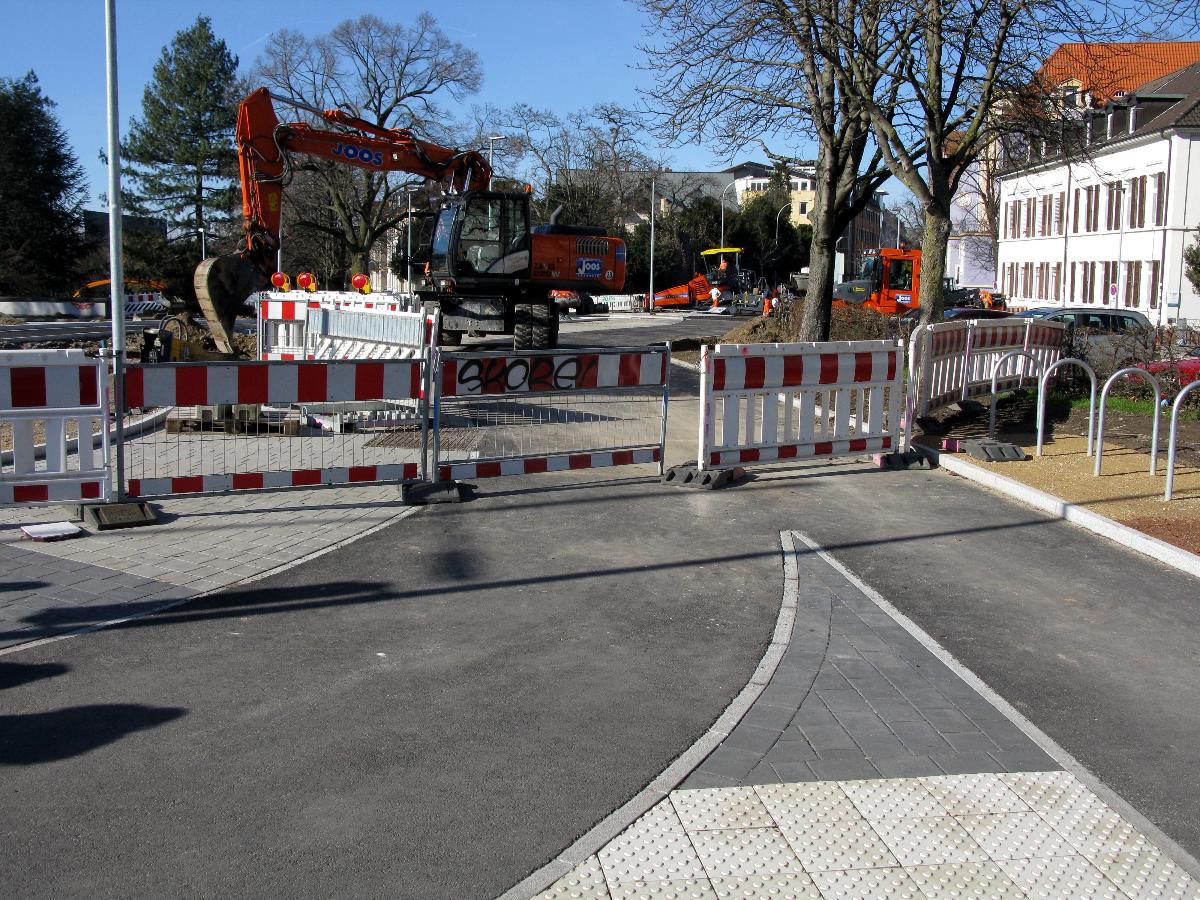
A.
pixel 306 280
pixel 281 281
pixel 361 283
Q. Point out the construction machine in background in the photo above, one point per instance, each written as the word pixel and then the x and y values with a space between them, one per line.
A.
pixel 889 282
pixel 718 273
pixel 489 270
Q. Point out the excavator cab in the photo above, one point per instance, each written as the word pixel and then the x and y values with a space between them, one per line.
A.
pixel 479 238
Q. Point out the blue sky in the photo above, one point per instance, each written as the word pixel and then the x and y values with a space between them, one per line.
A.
pixel 557 54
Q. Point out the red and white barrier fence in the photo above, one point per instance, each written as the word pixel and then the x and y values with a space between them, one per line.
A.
pixel 243 426
pixel 63 390
pixel 768 402
pixel 342 325
pixel 517 413
pixel 954 361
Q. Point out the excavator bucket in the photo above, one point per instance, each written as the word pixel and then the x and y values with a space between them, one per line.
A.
pixel 222 285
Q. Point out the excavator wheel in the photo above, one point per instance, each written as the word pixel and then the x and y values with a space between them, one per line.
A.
pixel 523 326
pixel 545 326
pixel 222 285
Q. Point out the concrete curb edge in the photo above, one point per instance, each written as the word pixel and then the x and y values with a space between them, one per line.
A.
pixel 1167 554
pixel 624 816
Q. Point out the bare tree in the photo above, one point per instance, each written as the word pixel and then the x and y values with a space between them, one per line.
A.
pixel 391 75
pixel 968 81
pixel 739 72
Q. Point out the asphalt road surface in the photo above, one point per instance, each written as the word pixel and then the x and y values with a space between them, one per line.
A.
pixel 440 708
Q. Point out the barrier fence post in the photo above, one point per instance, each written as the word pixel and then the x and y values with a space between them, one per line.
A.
pixel 436 444
pixel 705 404
pixel 662 441
pixel 423 410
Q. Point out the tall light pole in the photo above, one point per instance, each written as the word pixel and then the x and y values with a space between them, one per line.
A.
pixel 775 270
pixel 203 246
pixel 115 263
pixel 492 138
pixel 879 194
pixel 652 211
pixel 727 187
pixel 409 189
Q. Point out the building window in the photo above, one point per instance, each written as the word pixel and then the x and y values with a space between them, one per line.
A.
pixel 1092 216
pixel 1155 282
pixel 1133 284
pixel 1047 215
pixel 1058 279
pixel 1075 213
pixel 1060 211
pixel 1112 217
pixel 1160 199
pixel 1137 202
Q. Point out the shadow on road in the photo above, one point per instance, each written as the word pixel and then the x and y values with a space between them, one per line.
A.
pixel 33 738
pixel 15 674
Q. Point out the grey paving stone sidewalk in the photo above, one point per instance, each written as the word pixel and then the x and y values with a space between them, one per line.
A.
pixel 43 595
pixel 202 543
pixel 856 696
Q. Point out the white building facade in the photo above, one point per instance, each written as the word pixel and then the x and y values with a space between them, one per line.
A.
pixel 1108 230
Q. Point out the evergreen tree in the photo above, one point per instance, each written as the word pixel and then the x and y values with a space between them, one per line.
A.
pixel 41 192
pixel 181 154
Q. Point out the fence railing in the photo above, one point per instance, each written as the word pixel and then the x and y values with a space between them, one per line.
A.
pixel 767 402
pixel 244 425
pixel 508 413
pixel 954 361
pixel 54 414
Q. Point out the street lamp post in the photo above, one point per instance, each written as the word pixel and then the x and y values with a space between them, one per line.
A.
pixel 650 305
pixel 409 190
pixel 727 187
pixel 492 138
pixel 775 270
pixel 879 194
pixel 203 246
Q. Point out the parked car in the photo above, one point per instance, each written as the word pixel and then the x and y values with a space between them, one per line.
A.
pixel 1108 338
pixel 974 312
pixel 1186 368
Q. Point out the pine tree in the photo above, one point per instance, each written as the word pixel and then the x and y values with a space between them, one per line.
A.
pixel 180 154
pixel 41 192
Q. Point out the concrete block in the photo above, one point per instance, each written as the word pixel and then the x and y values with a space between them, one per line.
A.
pixel 423 492
pixel 689 475
pixel 910 459
pixel 994 451
pixel 107 516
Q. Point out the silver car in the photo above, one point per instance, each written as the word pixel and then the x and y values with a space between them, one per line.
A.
pixel 1109 339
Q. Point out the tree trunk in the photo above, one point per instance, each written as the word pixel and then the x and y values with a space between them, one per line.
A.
pixel 818 307
pixel 934 242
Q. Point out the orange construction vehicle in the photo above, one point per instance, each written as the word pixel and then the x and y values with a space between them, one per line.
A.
pixel 888 282
pixel 698 291
pixel 489 271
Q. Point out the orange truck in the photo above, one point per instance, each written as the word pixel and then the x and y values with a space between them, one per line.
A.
pixel 888 281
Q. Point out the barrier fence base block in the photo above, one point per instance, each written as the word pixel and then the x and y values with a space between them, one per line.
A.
pixel 907 460
pixel 419 493
pixel 107 516
pixel 994 451
pixel 689 475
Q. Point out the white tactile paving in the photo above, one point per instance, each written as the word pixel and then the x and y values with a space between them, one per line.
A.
pixel 837 844
pixel 806 802
pixel 1038 834
pixel 1015 836
pixel 966 795
pixel 649 855
pixel 721 808
pixel 984 879
pixel 853 884
pixel 1148 874
pixel 750 851
pixel 666 890
pixel 584 882
pixel 1060 878
pixel 929 841
pixel 892 798
pixel 791 885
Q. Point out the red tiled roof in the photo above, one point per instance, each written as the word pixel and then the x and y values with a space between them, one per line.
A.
pixel 1105 69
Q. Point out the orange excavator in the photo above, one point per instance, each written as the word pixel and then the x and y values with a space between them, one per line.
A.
pixel 489 271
